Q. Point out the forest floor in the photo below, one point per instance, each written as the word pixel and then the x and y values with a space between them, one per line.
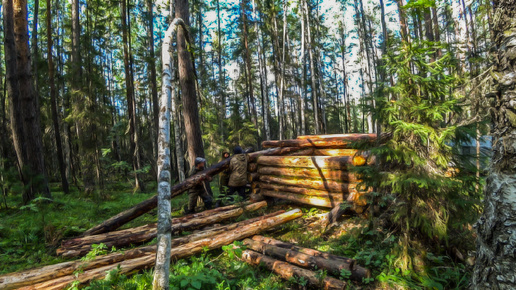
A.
pixel 29 236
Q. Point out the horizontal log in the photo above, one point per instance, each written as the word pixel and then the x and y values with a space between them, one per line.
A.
pixel 142 234
pixel 149 204
pixel 332 266
pixel 315 162
pixel 330 136
pixel 288 271
pixel 338 143
pixel 324 174
pixel 319 184
pixel 33 276
pixel 357 272
pixel 252 167
pixel 303 191
pixel 183 251
pixel 325 152
pixel 328 202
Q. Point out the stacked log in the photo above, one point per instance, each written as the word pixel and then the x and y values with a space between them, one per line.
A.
pixel 60 275
pixel 138 235
pixel 315 180
pixel 340 142
pixel 289 261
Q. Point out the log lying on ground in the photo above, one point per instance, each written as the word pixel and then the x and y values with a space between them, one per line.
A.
pixel 337 143
pixel 288 271
pixel 328 185
pixel 29 277
pixel 147 205
pixel 314 162
pixel 332 266
pixel 183 251
pixel 357 272
pixel 328 202
pixel 81 246
pixel 324 174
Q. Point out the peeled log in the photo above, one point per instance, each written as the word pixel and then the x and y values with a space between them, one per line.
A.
pixel 138 235
pixel 337 143
pixel 328 185
pixel 325 174
pixel 325 152
pixel 330 136
pixel 357 272
pixel 29 277
pixel 147 205
pixel 303 191
pixel 311 200
pixel 288 271
pixel 183 251
pixel 334 267
pixel 315 162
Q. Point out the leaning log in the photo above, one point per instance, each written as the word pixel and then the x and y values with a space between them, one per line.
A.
pixel 314 162
pixel 332 266
pixel 147 205
pixel 29 277
pixel 318 184
pixel 337 143
pixel 183 251
pixel 325 174
pixel 357 272
pixel 81 246
pixel 288 271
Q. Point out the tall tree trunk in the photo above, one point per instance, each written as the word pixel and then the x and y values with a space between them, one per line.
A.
pixel 345 101
pixel 25 116
pixel 494 266
pixel 317 122
pixel 254 115
pixel 187 82
pixel 281 99
pixel 34 43
pixel 53 100
pixel 264 92
pixel 302 95
pixel 152 69
pixel 131 101
pixel 222 81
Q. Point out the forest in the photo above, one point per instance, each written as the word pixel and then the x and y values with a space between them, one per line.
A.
pixel 379 140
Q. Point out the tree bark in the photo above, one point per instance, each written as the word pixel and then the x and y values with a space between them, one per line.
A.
pixel 183 251
pixel 288 271
pixel 53 100
pixel 254 115
pixel 187 82
pixel 152 69
pixel 323 174
pixel 494 266
pixel 317 122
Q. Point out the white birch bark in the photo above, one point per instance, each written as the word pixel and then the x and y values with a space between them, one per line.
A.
pixel 162 268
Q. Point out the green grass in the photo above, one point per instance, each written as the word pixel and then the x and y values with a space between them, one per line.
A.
pixel 30 234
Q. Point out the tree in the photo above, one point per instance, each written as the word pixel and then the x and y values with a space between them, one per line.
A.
pixel 187 82
pixel 494 266
pixel 24 109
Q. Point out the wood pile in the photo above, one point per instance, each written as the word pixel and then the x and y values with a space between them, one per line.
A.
pixel 139 235
pixel 60 275
pixel 290 261
pixel 316 173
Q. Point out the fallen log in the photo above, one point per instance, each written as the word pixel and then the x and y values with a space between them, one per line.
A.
pixel 357 272
pixel 337 143
pixel 324 174
pixel 328 202
pixel 314 162
pixel 186 250
pixel 81 246
pixel 29 277
pixel 147 205
pixel 332 266
pixel 288 271
pixel 328 185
